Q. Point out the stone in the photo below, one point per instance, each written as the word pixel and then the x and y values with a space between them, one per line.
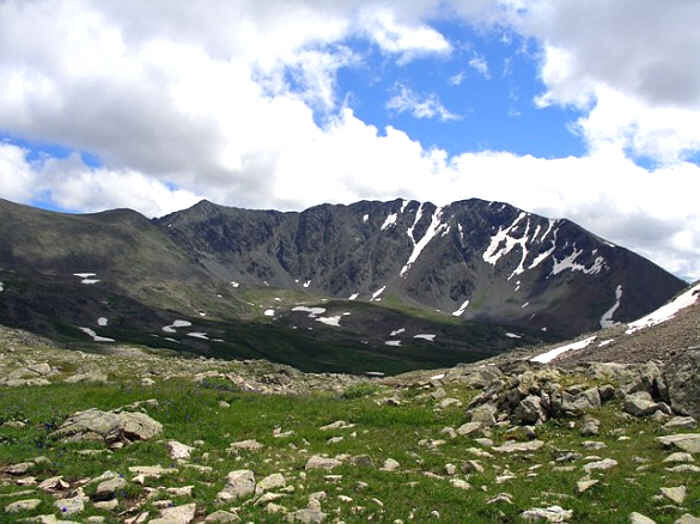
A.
pixel 222 516
pixel 22 505
pixel 639 404
pixel 591 427
pixel 550 514
pixel 472 466
pixel 606 392
pixel 449 402
pixel 307 516
pixel 177 514
pixel 506 498
pixel 90 376
pixel 273 508
pixel 677 423
pixel 246 445
pixel 584 484
pixel 178 450
pixel 269 497
pixel 593 444
pixel 687 518
pixel 638 518
pixel 183 491
pixel 676 494
pixel 600 465
pixel 682 376
pixel 274 481
pixel 70 506
pixel 587 399
pixel 95 424
pixel 390 465
pixel 485 414
pixel 143 472
pixel 54 484
pixel 338 424
pixel 684 468
pixel 363 461
pixel 460 484
pixel 107 489
pixel 320 462
pixel 689 442
pixel 107 505
pixel 239 484
pixel 468 428
pixel 529 411
pixel 19 469
pixel 679 456
pixel 514 447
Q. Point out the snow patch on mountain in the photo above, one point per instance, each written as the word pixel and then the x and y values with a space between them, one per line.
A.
pixel 353 296
pixel 569 262
pixel 606 320
pixel 513 335
pixel 2 287
pixel 95 336
pixel 176 324
pixel 547 357
pixel 102 321
pixel 434 229
pixel 269 312
pixel 394 343
pixel 423 336
pixel 330 321
pixel 312 311
pixel 198 334
pixel 461 309
pixel 235 284
pixel 86 278
pixel 390 221
pixel 495 250
pixel 378 292
pixel 667 311
pixel 365 218
pixel 397 332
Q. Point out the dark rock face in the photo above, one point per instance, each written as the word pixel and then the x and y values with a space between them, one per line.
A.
pixel 511 266
pixel 682 376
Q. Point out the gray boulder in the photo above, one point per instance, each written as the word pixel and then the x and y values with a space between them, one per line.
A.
pixel 239 484
pixel 682 375
pixel 529 411
pixel 95 424
pixel 640 404
pixel 486 414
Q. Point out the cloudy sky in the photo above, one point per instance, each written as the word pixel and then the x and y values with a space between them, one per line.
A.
pixel 585 110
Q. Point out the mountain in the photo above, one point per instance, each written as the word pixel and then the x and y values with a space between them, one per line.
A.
pixel 474 259
pixel 373 286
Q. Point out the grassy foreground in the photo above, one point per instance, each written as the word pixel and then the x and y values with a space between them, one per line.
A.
pixel 421 486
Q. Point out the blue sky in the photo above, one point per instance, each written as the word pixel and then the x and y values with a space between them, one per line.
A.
pixel 590 112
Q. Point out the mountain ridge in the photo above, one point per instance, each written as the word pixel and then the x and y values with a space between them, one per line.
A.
pixel 474 277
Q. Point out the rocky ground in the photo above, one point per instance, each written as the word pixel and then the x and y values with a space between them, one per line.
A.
pixel 138 436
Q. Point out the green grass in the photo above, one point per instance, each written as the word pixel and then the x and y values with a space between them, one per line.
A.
pixel 190 412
